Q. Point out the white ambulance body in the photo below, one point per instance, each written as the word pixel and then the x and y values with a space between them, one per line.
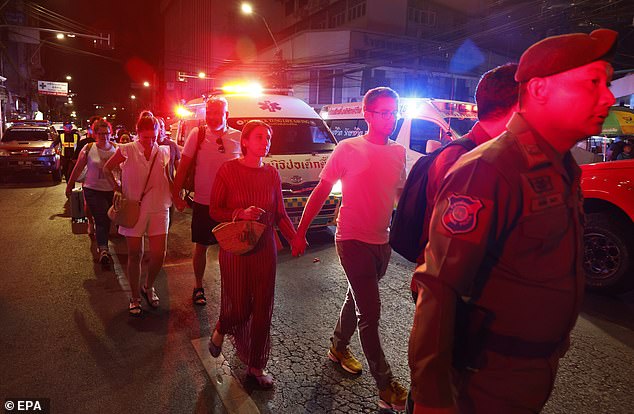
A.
pixel 424 125
pixel 300 146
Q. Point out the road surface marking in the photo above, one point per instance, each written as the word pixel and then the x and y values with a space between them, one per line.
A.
pixel 233 396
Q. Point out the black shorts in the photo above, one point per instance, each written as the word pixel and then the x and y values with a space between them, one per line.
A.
pixel 202 224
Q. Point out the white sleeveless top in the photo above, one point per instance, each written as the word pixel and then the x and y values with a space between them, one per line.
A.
pixel 134 172
pixel 95 159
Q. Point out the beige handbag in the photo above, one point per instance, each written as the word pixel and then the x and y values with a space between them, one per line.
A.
pixel 124 212
pixel 238 237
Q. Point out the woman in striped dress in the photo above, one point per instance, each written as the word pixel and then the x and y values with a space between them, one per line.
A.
pixel 251 190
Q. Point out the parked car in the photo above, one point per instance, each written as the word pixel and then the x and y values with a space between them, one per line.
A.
pixel 30 147
pixel 608 191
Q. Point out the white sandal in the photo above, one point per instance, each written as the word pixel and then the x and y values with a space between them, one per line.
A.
pixel 152 298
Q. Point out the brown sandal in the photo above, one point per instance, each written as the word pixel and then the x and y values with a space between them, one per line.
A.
pixel 198 296
pixel 134 309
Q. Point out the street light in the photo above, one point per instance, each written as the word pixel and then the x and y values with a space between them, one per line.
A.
pixel 146 84
pixel 133 97
pixel 248 9
pixel 68 77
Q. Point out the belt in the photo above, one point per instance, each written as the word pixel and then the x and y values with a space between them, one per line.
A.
pixel 512 346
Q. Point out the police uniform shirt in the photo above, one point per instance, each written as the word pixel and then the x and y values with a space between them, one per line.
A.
pixel 506 231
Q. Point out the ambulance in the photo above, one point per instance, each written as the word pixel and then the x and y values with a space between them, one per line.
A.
pixel 424 123
pixel 300 146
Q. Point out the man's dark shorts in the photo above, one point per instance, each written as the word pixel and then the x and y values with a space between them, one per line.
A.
pixel 202 225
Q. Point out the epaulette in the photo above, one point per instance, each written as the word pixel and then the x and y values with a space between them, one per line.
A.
pixel 533 155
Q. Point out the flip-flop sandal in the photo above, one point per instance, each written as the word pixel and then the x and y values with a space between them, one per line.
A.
pixel 134 309
pixel 198 296
pixel 152 299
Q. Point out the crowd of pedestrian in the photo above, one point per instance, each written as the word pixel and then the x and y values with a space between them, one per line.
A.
pixel 498 283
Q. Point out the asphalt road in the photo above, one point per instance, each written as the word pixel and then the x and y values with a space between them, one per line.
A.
pixel 66 334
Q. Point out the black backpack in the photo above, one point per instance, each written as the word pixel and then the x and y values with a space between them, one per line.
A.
pixel 406 230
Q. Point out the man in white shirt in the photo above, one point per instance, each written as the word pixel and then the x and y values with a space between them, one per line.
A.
pixel 220 143
pixel 371 168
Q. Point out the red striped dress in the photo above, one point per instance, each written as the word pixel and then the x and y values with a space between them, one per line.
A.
pixel 248 280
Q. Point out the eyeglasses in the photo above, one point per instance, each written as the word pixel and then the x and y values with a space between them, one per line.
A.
pixel 386 114
pixel 221 147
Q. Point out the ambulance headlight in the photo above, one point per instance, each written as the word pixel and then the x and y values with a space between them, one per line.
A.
pixel 336 189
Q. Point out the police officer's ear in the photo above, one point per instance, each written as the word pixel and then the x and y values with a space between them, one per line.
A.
pixel 536 90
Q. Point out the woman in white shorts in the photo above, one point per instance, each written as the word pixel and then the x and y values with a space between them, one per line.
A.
pixel 138 160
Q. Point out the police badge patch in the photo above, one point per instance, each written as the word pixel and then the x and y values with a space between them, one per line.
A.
pixel 461 214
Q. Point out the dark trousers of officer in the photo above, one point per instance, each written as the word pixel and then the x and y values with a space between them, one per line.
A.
pixel 67 164
pixel 506 384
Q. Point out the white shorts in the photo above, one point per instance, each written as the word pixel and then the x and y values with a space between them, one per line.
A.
pixel 152 224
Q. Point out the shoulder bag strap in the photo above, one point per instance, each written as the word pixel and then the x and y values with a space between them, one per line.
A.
pixel 201 138
pixel 148 175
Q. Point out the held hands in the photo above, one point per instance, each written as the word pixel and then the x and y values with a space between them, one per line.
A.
pixel 298 245
pixel 179 203
pixel 251 213
pixel 69 189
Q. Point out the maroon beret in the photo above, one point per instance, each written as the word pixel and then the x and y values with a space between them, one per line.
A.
pixel 561 53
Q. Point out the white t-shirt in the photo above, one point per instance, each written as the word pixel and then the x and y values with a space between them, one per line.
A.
pixel 370 175
pixel 134 172
pixel 209 159
pixel 95 159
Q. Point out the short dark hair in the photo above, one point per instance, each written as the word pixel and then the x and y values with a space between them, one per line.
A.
pixel 497 92
pixel 146 123
pixel 381 92
pixel 248 129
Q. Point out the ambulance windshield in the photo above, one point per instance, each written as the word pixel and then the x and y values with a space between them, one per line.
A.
pixel 294 136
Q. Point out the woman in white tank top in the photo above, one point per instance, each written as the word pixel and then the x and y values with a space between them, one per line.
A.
pixel 98 191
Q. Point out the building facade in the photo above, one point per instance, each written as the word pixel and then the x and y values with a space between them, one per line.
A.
pixel 333 51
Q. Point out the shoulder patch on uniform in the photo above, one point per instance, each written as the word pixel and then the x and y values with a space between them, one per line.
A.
pixel 461 214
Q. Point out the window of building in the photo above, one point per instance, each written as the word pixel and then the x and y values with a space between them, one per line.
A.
pixel 421 17
pixel 356 9
pixel 337 15
pixel 337 20
pixel 326 82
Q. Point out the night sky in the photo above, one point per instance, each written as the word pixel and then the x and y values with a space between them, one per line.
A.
pixel 135 26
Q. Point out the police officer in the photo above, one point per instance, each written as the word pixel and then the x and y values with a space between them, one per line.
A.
pixel 502 282
pixel 69 139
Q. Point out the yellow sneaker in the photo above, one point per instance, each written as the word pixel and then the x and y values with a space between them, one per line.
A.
pixel 393 397
pixel 345 359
